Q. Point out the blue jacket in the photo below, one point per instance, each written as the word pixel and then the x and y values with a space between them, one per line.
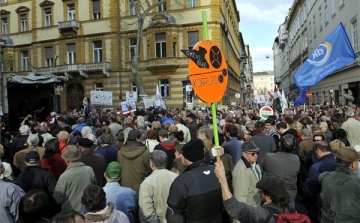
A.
pixel 10 195
pixel 312 185
pixel 109 153
pixel 81 126
pixel 233 147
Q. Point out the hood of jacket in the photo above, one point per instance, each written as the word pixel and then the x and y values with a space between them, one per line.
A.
pixel 133 150
pixel 168 144
pixel 100 216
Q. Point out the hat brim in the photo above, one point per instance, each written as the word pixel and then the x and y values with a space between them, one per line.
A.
pixel 71 159
pixel 252 150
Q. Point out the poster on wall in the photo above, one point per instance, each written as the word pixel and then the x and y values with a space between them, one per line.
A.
pixel 128 106
pixel 131 95
pixel 189 94
pixel 101 97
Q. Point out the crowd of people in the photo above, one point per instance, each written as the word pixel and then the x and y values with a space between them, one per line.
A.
pixel 165 166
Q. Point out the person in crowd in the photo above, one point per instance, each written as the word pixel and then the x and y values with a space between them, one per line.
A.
pixel 207 126
pixel 63 137
pixel 114 126
pixel 336 145
pixel 325 129
pixel 273 195
pixel 10 195
pixel 94 200
pixel 340 189
pixel 203 135
pixel 81 124
pixel 197 185
pixel 168 119
pixel 19 158
pixel 154 190
pixel 247 135
pixel 233 145
pixel 51 160
pixel 246 174
pixel 283 129
pixel 341 135
pixel 73 181
pixel 306 144
pixel 61 122
pixel 181 127
pixel 167 146
pixel 34 207
pixel 107 150
pixel 265 143
pixel 284 165
pixel 124 198
pixel 135 156
pixel 192 125
pixel 173 129
pixel 151 139
pixel 270 127
pixel 326 161
pixel 19 143
pixel 71 217
pixel 351 127
pixel 96 161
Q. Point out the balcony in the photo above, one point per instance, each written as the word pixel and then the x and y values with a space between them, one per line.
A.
pixel 170 64
pixel 69 25
pixel 82 68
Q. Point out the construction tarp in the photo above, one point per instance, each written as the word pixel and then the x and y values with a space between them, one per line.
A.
pixel 34 78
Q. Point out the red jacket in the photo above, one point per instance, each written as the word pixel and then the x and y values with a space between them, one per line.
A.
pixel 54 165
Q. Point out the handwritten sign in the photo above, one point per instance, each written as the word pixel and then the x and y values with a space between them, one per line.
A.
pixel 101 97
pixel 128 106
pixel 207 71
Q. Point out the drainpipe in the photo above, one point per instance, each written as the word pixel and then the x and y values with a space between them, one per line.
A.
pixel 119 42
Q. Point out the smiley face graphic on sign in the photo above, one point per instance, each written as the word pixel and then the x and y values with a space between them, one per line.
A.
pixel 207 70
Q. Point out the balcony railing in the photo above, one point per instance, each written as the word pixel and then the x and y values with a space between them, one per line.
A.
pixel 69 24
pixel 82 68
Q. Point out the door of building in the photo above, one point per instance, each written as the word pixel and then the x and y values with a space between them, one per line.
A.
pixel 75 96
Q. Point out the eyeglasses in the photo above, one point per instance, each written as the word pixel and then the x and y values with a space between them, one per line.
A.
pixel 252 153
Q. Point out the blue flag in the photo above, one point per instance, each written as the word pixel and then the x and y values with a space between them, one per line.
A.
pixel 332 54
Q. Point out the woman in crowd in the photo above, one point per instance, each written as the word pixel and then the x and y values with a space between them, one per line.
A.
pixel 151 139
pixel 52 161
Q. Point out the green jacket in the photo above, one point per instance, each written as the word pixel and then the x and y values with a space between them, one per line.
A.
pixel 134 160
pixel 70 186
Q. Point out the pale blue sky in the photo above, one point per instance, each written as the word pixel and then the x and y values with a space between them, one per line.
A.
pixel 259 23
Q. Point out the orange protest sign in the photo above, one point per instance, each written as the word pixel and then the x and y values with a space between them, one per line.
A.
pixel 207 70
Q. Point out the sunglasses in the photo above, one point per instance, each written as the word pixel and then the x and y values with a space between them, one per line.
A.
pixel 252 153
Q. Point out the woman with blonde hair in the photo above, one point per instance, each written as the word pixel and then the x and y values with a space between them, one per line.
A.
pixel 156 125
pixel 336 145
pixel 172 129
pixel 63 137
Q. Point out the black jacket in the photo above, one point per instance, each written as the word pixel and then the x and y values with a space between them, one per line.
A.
pixel 168 147
pixel 97 163
pixel 193 127
pixel 195 196
pixel 18 144
pixel 35 177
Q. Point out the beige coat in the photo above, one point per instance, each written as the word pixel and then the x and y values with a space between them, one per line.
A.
pixel 19 158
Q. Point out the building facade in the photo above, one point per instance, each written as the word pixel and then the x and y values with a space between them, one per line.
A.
pixel 308 23
pixel 264 83
pixel 89 45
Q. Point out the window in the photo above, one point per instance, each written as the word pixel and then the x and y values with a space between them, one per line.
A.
pixel 4 1
pixel 320 20
pixel 132 47
pixel 23 23
pixel 1 62
pixel 304 38
pixel 333 7
pixel 96 9
pixel 191 3
pixel 49 56
pixel 132 8
pixel 71 12
pixel 326 14
pixel 4 26
pixel 341 3
pixel 24 60
pixel 71 54
pixel 134 89
pixel 160 45
pixel 193 38
pixel 99 87
pixel 47 17
pixel 97 46
pixel 164 88
pixel 354 35
pixel 174 49
pixel 162 7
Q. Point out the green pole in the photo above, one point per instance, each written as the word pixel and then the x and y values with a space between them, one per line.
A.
pixel 213 108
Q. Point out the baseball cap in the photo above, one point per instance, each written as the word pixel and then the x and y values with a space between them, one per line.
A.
pixel 113 170
pixel 32 157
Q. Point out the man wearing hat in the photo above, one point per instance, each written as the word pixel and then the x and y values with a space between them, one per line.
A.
pixel 73 181
pixel 123 198
pixel 272 191
pixel 134 158
pixel 191 124
pixel 195 195
pixel 246 174
pixel 95 161
pixel 340 189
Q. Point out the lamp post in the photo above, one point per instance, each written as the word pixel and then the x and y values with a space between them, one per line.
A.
pixel 2 92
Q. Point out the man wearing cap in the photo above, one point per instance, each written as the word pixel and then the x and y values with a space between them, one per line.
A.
pixel 352 126
pixel 123 198
pixel 154 190
pixel 284 165
pixel 73 181
pixel 19 158
pixel 191 124
pixel 134 158
pixel 10 195
pixel 272 191
pixel 195 195
pixel 340 189
pixel 246 174
pixel 181 127
pixel 90 158
pixel 326 163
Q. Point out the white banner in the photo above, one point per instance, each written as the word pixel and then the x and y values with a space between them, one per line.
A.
pixel 128 106
pixel 101 97
pixel 149 101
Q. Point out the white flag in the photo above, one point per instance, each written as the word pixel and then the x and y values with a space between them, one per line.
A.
pixel 284 103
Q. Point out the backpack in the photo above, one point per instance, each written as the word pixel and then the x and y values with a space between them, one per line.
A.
pixel 286 217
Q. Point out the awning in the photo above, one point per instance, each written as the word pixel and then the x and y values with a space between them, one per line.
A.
pixel 33 78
